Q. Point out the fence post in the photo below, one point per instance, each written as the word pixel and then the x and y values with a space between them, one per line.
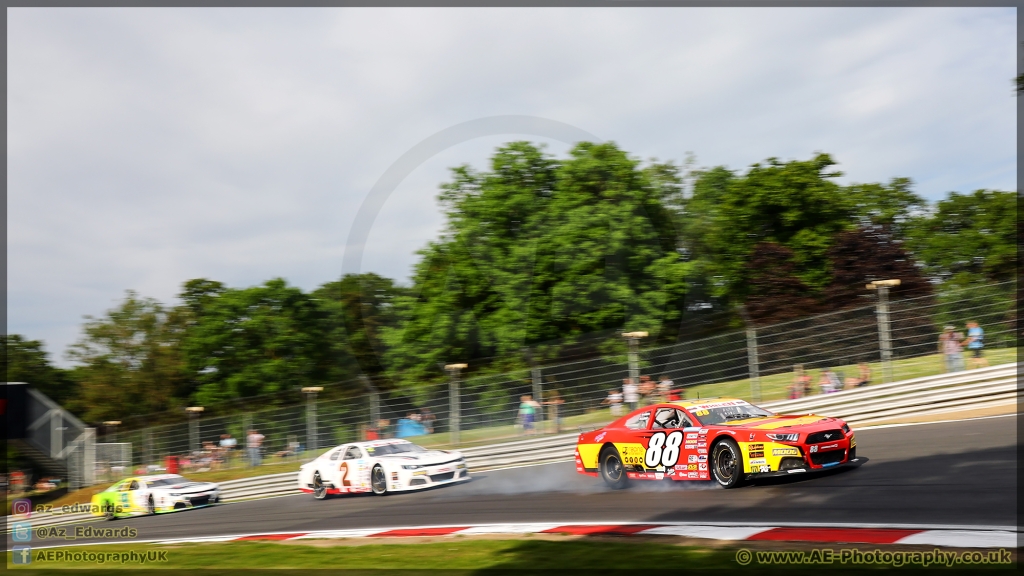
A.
pixel 884 329
pixel 752 362
pixel 243 442
pixel 311 432
pixel 147 446
pixel 538 391
pixel 453 402
pixel 633 338
pixel 89 457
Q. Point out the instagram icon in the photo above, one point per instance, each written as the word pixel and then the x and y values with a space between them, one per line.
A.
pixel 22 508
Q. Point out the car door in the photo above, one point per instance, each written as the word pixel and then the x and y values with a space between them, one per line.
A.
pixel 137 489
pixel 679 453
pixel 332 472
pixel 632 444
pixel 352 466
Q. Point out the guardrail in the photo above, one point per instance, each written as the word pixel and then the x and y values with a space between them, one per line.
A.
pixel 972 389
pixel 966 390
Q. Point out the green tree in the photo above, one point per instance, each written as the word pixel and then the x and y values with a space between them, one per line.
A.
pixel 541 253
pixel 795 205
pixel 890 206
pixel 258 340
pixel 968 238
pixel 360 306
pixel 26 361
pixel 129 360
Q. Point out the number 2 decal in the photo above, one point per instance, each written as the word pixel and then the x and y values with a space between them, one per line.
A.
pixel 663 449
pixel 344 474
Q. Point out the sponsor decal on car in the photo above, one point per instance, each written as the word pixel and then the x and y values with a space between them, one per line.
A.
pixel 680 467
pixel 722 404
pixel 785 452
pixel 702 450
pixel 600 437
pixel 632 454
pixel 702 445
pixel 835 445
pixel 814 449
pixel 755 447
pixel 702 466
pixel 702 458
pixel 691 435
pixel 659 475
pixel 691 458
pixel 702 431
pixel 394 475
pixel 691 474
pixel 757 461
pixel 703 475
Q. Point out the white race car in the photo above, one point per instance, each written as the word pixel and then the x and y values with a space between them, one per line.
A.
pixel 380 466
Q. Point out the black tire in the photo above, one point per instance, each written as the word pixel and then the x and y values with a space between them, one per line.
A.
pixel 612 471
pixel 727 464
pixel 378 480
pixel 150 506
pixel 319 489
pixel 109 515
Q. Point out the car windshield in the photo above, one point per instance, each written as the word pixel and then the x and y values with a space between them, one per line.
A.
pixel 169 481
pixel 725 413
pixel 388 449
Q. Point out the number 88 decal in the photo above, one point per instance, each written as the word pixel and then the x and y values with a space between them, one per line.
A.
pixel 663 450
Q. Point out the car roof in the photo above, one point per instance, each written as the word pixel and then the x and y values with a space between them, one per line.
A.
pixel 706 403
pixel 375 443
pixel 152 477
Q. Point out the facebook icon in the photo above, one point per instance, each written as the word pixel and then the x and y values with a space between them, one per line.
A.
pixel 22 554
pixel 21 532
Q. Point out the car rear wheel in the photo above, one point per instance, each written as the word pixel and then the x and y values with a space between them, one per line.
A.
pixel 613 472
pixel 319 489
pixel 378 480
pixel 727 464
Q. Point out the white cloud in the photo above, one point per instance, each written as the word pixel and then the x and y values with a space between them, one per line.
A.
pixel 150 146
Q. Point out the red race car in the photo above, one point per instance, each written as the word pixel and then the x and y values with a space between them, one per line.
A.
pixel 722 439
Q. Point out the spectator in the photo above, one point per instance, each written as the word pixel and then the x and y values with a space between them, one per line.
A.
pixel 384 428
pixel 630 393
pixel 665 388
pixel 409 426
pixel 863 376
pixel 554 405
pixel 949 346
pixel 647 391
pixel 614 400
pixel 975 342
pixel 254 443
pixel 801 382
pixel 829 382
pixel 527 412
pixel 227 446
pixel 427 418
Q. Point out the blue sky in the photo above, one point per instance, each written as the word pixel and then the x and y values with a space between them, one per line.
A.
pixel 150 146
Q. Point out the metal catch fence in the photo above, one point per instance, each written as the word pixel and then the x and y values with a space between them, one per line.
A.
pixel 897 341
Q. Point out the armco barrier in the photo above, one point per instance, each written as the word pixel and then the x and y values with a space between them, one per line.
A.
pixel 971 389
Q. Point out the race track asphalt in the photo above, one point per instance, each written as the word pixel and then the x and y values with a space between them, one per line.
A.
pixel 957 473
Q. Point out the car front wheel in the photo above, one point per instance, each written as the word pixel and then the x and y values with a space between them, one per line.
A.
pixel 378 480
pixel 727 464
pixel 319 489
